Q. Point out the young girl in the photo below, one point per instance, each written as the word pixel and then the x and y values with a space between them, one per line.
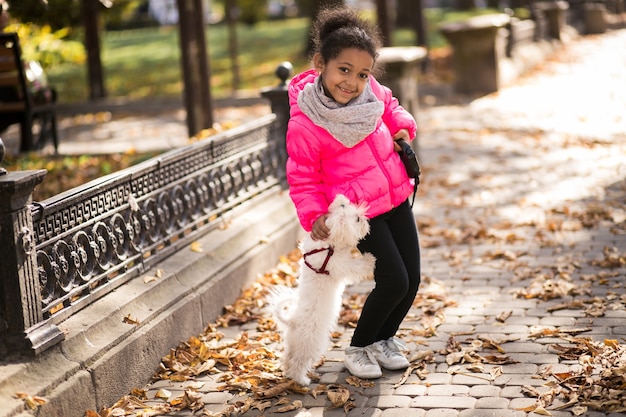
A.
pixel 340 140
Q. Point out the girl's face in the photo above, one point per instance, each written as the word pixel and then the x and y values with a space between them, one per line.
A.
pixel 345 77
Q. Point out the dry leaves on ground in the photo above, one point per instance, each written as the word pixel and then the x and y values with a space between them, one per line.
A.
pixel 470 360
pixel 249 366
pixel 597 381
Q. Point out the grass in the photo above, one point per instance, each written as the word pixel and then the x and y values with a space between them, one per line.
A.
pixel 146 62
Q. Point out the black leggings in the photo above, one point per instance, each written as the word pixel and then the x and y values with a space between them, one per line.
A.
pixel 394 242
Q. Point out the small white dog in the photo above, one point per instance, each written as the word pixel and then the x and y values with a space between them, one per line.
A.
pixel 308 313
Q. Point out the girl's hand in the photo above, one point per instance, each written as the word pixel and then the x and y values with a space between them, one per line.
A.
pixel 320 231
pixel 402 134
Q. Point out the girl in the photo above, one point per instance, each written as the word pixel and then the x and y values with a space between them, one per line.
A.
pixel 340 140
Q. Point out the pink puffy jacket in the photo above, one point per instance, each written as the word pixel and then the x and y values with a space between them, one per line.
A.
pixel 320 167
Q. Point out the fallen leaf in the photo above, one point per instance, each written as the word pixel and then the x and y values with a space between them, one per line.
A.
pixel 129 320
pixel 503 316
pixel 358 382
pixel 196 246
pixel 31 401
pixel 338 395
pixel 495 372
pixel 163 394
pixel 296 405
pixel 542 411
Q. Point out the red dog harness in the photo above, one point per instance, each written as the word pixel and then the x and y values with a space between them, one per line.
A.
pixel 323 269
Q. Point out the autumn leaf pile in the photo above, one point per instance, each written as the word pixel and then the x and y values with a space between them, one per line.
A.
pixel 596 382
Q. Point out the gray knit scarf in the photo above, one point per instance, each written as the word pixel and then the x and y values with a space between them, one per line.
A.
pixel 347 123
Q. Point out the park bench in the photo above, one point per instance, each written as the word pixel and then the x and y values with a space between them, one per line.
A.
pixel 18 103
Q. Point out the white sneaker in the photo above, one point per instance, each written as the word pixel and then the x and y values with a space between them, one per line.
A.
pixel 361 363
pixel 389 354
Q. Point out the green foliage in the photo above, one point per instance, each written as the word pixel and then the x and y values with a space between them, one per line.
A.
pixel 65 172
pixel 49 47
pixel 57 14
pixel 146 62
pixel 252 11
pixel 128 14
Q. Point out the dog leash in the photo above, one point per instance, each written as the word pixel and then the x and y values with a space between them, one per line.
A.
pixel 323 269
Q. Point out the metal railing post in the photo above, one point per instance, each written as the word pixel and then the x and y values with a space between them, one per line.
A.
pixel 21 314
pixel 279 100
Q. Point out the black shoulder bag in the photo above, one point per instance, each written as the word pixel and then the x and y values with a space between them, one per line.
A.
pixel 411 164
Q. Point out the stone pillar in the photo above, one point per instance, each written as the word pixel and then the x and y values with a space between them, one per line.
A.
pixel 21 319
pixel 554 12
pixel 478 46
pixel 595 18
pixel 400 67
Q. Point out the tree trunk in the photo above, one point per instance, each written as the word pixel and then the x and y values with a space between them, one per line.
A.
pixel 316 7
pixel 232 42
pixel 465 4
pixel 195 65
pixel 385 21
pixel 404 11
pixel 95 73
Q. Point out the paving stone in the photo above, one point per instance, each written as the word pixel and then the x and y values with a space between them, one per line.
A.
pixel 411 390
pixel 517 379
pixel 389 401
pixel 491 413
pixel 522 320
pixel 456 328
pixel 474 319
pixel 438 378
pixel 308 401
pixel 522 403
pixel 443 401
pixel 534 358
pixel 484 391
pixel 451 390
pixel 403 412
pixel 217 397
pixel 492 402
pixel 442 412
pixel 503 329
pixel 362 412
pixel 383 387
pixel 479 379
pixel 520 368
pixel 557 321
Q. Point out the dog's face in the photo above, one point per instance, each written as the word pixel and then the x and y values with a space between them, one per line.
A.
pixel 347 222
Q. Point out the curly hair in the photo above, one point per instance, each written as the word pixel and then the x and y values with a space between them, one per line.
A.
pixel 338 28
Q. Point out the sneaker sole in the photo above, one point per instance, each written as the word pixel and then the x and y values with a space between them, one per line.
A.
pixel 394 368
pixel 363 376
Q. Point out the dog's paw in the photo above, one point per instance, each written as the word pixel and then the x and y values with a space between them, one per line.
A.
pixel 298 376
pixel 370 260
pixel 305 381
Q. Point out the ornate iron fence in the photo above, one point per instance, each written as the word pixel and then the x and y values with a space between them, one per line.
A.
pixel 62 254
